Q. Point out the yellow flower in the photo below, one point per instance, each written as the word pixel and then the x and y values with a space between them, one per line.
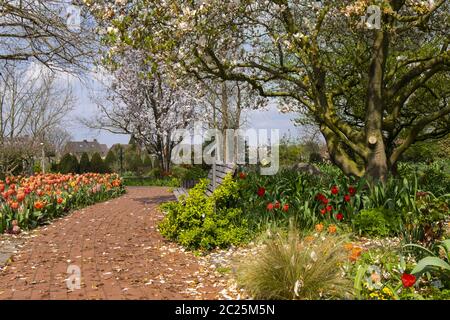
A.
pixel 387 291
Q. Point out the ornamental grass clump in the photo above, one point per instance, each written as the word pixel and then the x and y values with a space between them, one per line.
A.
pixel 291 267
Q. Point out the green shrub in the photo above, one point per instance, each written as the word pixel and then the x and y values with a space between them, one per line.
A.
pixel 97 165
pixel 68 164
pixel 291 267
pixel 434 177
pixel 195 173
pixel 151 182
pixel 372 222
pixel 178 172
pixel 201 222
pixel 85 164
pixel 155 173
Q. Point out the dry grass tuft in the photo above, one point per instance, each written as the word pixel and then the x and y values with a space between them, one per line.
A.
pixel 292 267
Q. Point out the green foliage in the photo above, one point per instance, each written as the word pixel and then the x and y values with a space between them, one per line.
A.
pixel 420 152
pixel 85 164
pixel 155 173
pixel 396 195
pixel 434 177
pixel 179 172
pixel 147 162
pixel 111 159
pixel 195 173
pixel 97 164
pixel 201 222
pixel 378 222
pixel 291 267
pixel 426 223
pixel 150 181
pixel 315 157
pixel 378 272
pixel 37 167
pixel 298 191
pixel 396 207
pixel 290 154
pixel 439 262
pixel 133 162
pixel 68 164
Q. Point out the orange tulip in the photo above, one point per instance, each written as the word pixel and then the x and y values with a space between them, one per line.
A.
pixel 319 227
pixel 348 246
pixel 39 205
pixel 355 254
pixel 332 229
pixel 14 205
pixel 20 196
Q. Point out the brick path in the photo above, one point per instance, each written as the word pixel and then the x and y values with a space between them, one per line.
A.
pixel 118 249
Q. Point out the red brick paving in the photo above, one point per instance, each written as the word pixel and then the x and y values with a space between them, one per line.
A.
pixel 117 247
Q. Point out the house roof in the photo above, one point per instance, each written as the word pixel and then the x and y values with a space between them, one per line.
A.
pixel 78 147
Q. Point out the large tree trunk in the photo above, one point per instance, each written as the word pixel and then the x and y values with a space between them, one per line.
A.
pixel 377 162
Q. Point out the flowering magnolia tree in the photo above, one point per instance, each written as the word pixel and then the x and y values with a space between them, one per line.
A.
pixel 141 101
pixel 374 90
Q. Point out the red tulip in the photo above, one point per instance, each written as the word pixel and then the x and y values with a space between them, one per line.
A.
pixel 329 208
pixel 261 191
pixel 320 197
pixel 286 207
pixel 242 175
pixel 352 191
pixel 347 198
pixel 334 190
pixel 270 206
pixel 277 205
pixel 408 280
pixel 339 216
pixel 323 211
pixel 325 201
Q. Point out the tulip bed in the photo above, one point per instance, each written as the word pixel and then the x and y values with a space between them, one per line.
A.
pixel 27 202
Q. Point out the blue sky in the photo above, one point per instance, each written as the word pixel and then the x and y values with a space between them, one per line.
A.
pixel 258 119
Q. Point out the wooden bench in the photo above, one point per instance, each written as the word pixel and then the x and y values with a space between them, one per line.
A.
pixel 215 177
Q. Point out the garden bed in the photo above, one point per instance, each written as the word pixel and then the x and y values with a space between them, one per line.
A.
pixel 397 230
